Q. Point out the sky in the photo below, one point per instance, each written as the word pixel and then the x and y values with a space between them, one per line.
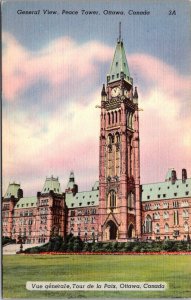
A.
pixel 53 70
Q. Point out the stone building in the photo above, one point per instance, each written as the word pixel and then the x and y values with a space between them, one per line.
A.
pixel 117 207
pixel 166 208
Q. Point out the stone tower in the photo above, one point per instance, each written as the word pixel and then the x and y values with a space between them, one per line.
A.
pixel 119 158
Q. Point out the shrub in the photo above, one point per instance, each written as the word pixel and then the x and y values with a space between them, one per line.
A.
pixel 77 245
pixel 57 245
pixel 87 247
pixel 128 246
pixel 114 247
pixel 35 250
pixel 96 247
pixel 136 248
pixel 107 247
pixel 70 245
pixel 63 247
pixel 7 240
pixel 68 237
pixel 50 246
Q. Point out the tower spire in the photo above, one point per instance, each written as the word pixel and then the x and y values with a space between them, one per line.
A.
pixel 119 32
pixel 119 66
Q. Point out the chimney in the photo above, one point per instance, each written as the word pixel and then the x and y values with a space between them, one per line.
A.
pixel 184 175
pixel 173 177
pixel 19 194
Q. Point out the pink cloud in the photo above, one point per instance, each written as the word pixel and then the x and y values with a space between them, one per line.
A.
pixel 30 153
pixel 154 72
pixel 61 60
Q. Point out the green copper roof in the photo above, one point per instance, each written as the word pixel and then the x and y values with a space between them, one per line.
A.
pixel 26 202
pixel 12 190
pixel 51 184
pixel 166 190
pixel 169 174
pixel 95 186
pixel 119 64
pixel 83 199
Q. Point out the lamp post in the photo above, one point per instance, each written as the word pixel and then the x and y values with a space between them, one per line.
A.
pixel 188 236
pixel 22 240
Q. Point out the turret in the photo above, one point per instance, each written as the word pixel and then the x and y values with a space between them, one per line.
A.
pixel 71 186
pixel 135 96
pixel 103 93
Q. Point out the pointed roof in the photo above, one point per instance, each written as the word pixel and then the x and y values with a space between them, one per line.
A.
pixel 52 184
pixel 119 64
pixel 169 174
pixel 103 92
pixel 71 177
pixel 12 190
pixel 71 181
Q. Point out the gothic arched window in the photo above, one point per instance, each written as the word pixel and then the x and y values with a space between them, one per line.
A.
pixel 166 227
pixel 112 117
pixel 109 118
pixel 119 116
pixel 185 213
pixel 130 120
pixel 112 199
pixel 131 200
pixel 110 139
pixel 157 228
pixel 117 138
pixel 186 227
pixel 116 119
pixel 148 224
pixel 176 218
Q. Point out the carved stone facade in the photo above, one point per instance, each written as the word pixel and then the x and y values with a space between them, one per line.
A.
pixel 119 176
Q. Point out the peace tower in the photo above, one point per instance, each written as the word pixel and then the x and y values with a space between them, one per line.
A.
pixel 119 154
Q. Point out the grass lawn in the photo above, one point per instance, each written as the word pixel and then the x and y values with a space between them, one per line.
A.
pixel 174 270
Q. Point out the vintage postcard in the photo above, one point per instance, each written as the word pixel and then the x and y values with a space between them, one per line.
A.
pixel 96 141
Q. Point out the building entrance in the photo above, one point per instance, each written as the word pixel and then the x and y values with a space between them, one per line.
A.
pixel 112 230
pixel 131 231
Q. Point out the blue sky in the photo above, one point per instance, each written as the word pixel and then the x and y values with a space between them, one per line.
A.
pixel 157 34
pixel 157 42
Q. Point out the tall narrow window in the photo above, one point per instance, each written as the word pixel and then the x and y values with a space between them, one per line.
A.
pixel 131 200
pixel 116 119
pixel 148 224
pixel 119 116
pixel 112 116
pixel 186 227
pixel 109 120
pixel 112 199
pixel 128 119
pixel 157 228
pixel 166 228
pixel 117 137
pixel 176 218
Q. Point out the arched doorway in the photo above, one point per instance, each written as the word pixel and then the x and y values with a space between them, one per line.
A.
pixel 131 231
pixel 112 230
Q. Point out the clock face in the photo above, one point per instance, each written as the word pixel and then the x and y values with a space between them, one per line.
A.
pixel 127 93
pixel 115 92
